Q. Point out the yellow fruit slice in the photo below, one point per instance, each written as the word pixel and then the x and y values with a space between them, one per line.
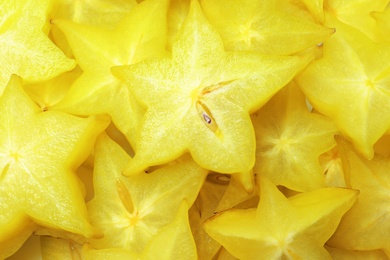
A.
pixel 97 49
pixel 258 25
pixel 203 208
pixel 174 241
pixel 290 140
pixel 25 49
pixel 39 153
pixel 193 98
pixel 366 225
pixel 280 227
pixel 131 211
pixel 357 14
pixel 351 86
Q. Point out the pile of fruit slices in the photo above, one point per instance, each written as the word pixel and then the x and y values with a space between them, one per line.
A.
pixel 195 129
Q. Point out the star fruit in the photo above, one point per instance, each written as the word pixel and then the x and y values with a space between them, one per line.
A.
pixel 103 13
pixel 366 226
pixel 280 227
pixel 199 100
pixel 357 14
pixel 259 26
pixel 173 241
pixel 39 153
pixel 25 48
pixel 287 135
pixel 350 84
pixel 48 93
pixel 131 210
pixel 140 35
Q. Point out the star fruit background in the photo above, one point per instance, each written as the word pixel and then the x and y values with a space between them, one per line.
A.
pixel 194 129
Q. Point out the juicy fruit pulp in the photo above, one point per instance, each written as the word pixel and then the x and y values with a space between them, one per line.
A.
pixel 185 129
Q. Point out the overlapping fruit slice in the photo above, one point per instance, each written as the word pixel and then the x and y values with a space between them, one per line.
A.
pixel 173 241
pixel 316 8
pixel 203 208
pixel 25 49
pixel 200 99
pixel 366 226
pixel 39 152
pixel 382 19
pixel 259 25
pixel 297 227
pixel 130 211
pixel 351 85
pixel 177 13
pixel 287 135
pixel 140 35
pixel 357 14
pixel 102 13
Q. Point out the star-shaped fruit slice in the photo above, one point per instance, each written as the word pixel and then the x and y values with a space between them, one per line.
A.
pixel 297 227
pixel 25 49
pixel 366 226
pixel 173 241
pixel 200 99
pixel 140 35
pixel 130 211
pixel 290 140
pixel 259 25
pixel 39 153
pixel 350 84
